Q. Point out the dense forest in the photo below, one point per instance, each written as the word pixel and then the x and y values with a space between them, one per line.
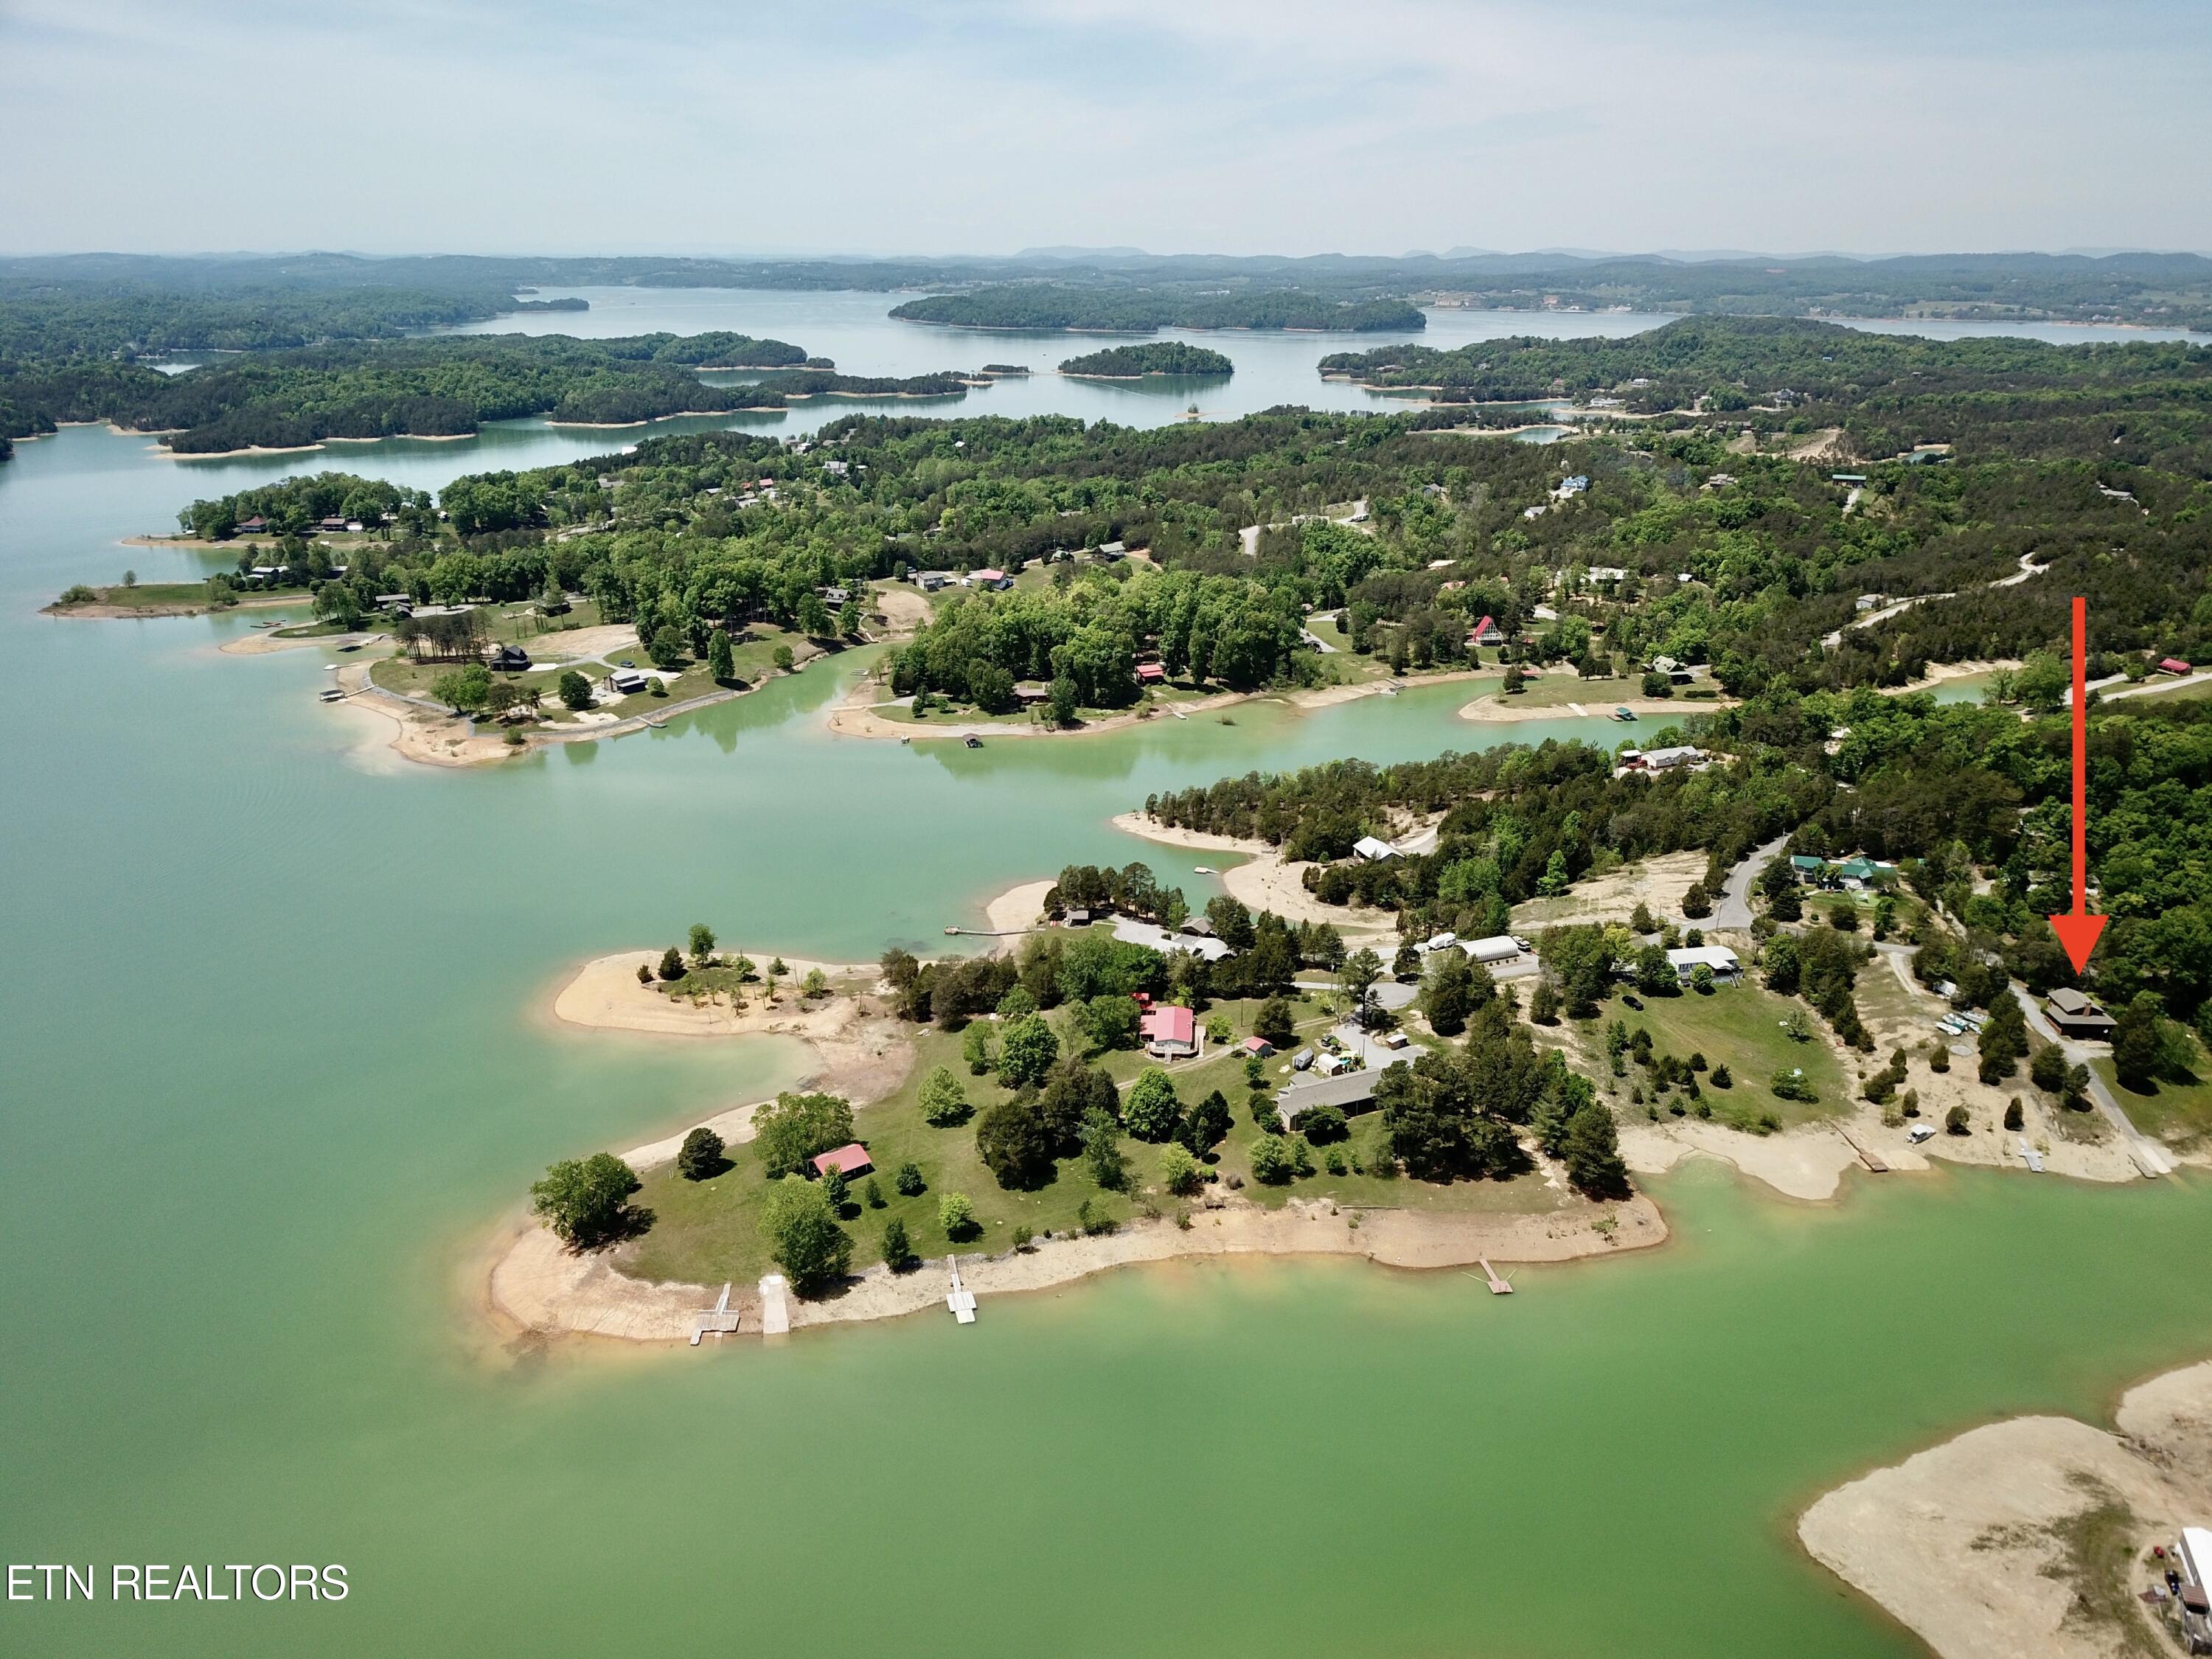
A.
pixel 1142 311
pixel 1160 357
pixel 427 388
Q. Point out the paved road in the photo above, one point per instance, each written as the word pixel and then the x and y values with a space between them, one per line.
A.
pixel 1733 910
pixel 2150 1158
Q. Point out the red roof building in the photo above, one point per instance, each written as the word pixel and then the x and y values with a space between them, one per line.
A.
pixel 852 1160
pixel 1150 673
pixel 1170 1032
pixel 2173 666
pixel 1258 1046
pixel 1486 632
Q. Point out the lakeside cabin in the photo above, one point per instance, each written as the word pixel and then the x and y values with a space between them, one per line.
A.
pixel 1373 849
pixel 626 682
pixel 1150 673
pixel 2073 1015
pixel 997 580
pixel 2173 666
pixel 1719 959
pixel 1169 1033
pixel 1486 632
pixel 848 1161
pixel 1130 930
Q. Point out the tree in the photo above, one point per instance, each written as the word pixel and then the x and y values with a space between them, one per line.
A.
pixel 1358 976
pixel 1322 1125
pixel 1016 1145
pixel 1150 1109
pixel 872 1194
pixel 1449 992
pixel 1955 1122
pixel 1406 965
pixel 1205 1124
pixel 573 689
pixel 1544 1004
pixel 1101 1150
pixel 665 648
pixel 836 1188
pixel 465 689
pixel 898 1253
pixel 958 1217
pixel 702 944
pixel 1027 1052
pixel 1695 904
pixel 2135 1042
pixel 796 1127
pixel 1063 700
pixel 701 1155
pixel 1701 980
pixel 645 973
pixel 814 617
pixel 584 1200
pixel 2014 1118
pixel 671 964
pixel 1182 1174
pixel 783 658
pixel 1721 1078
pixel 1784 967
pixel 1274 1022
pixel 2004 1040
pixel 909 1181
pixel 1273 1162
pixel 1655 973
pixel 799 1224
pixel 2046 1070
pixel 721 659
pixel 1591 1151
pixel 1112 1021
pixel 976 1049
pixel 943 1105
pixel 1643 922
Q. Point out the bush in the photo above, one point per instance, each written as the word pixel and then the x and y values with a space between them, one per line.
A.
pixel 1954 1121
pixel 2013 1118
pixel 671 964
pixel 1016 1145
pixel 1696 904
pixel 873 1193
pixel 1544 1004
pixel 1722 1077
pixel 909 1181
pixel 573 689
pixel 701 1155
pixel 1794 1086
pixel 958 1217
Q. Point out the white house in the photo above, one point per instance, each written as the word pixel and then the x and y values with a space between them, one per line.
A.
pixel 1661 760
pixel 1718 958
pixel 1367 847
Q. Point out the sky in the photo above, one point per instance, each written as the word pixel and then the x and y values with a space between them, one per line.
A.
pixel 985 126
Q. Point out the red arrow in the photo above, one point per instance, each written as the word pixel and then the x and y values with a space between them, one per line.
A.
pixel 2078 932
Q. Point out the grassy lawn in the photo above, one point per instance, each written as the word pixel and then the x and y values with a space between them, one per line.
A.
pixel 1557 687
pixel 149 595
pixel 2178 1113
pixel 1739 1026
pixel 754 661
pixel 708 1231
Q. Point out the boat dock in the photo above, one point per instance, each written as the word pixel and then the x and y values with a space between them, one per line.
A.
pixel 960 1300
pixel 1499 1286
pixel 1867 1154
pixel 720 1320
pixel 2034 1157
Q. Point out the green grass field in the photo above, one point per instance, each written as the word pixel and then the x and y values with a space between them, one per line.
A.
pixel 1739 1026
pixel 754 660
pixel 707 1231
pixel 2179 1114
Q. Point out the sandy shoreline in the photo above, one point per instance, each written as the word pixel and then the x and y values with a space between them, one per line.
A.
pixel 1496 706
pixel 1966 1543
pixel 540 1287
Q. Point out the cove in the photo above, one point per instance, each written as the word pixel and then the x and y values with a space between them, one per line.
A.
pixel 277 1063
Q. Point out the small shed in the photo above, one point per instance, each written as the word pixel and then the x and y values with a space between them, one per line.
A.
pixel 848 1160
pixel 1257 1046
pixel 2172 665
pixel 1373 849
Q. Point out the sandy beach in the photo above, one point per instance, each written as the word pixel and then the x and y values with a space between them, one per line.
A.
pixel 1266 881
pixel 1966 1543
pixel 1018 909
pixel 1496 706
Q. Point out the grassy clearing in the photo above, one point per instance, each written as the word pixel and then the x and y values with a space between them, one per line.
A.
pixel 754 661
pixel 1739 1026
pixel 708 1231
pixel 147 596
pixel 1557 687
pixel 2178 1113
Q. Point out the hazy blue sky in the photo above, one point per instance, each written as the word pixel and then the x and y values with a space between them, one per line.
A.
pixel 1178 126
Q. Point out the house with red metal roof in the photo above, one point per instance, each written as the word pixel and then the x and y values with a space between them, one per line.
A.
pixel 1150 673
pixel 2173 666
pixel 1170 1033
pixel 1486 632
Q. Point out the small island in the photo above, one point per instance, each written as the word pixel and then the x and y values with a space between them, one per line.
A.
pixel 1133 362
pixel 1070 308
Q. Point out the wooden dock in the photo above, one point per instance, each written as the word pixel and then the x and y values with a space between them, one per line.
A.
pixel 1867 1154
pixel 960 1300
pixel 1499 1286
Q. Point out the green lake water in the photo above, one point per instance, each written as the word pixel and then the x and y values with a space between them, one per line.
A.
pixel 277 1065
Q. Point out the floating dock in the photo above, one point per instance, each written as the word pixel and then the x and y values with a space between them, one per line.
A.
pixel 960 1300
pixel 2034 1159
pixel 1499 1286
pixel 720 1320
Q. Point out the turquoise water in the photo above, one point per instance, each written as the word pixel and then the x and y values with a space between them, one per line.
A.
pixel 277 1063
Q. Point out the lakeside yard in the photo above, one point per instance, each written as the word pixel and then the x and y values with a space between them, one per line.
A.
pixel 1739 1026
pixel 707 1232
